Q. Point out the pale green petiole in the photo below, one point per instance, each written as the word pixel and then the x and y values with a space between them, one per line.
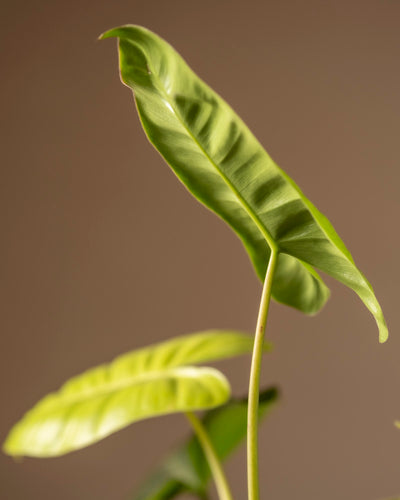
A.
pixel 217 472
pixel 254 385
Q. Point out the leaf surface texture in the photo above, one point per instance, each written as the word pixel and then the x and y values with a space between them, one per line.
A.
pixel 224 166
pixel 149 382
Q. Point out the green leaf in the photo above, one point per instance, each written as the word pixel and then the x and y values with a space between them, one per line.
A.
pixel 224 166
pixel 186 469
pixel 149 382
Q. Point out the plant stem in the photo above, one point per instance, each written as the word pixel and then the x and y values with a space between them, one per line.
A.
pixel 217 472
pixel 254 385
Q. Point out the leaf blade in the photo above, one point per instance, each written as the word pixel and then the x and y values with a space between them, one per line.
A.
pixel 223 165
pixel 148 382
pixel 314 292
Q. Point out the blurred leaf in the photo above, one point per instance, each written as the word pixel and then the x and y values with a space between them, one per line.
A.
pixel 141 384
pixel 186 468
pixel 224 166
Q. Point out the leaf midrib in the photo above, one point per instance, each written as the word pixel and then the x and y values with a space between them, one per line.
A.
pixel 274 246
pixel 64 400
pixel 270 240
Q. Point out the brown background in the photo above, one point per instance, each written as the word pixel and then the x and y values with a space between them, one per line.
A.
pixel 104 251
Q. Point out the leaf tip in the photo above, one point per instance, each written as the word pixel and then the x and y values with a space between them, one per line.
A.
pixel 7 447
pixel 383 333
pixel 125 31
pixel 108 34
pixel 397 424
pixel 12 451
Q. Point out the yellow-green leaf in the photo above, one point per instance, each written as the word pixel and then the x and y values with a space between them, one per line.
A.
pixel 149 382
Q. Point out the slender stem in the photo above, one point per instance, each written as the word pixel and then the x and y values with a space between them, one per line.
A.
pixel 217 472
pixel 254 386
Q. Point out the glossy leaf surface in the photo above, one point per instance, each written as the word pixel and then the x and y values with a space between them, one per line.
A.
pixel 149 382
pixel 224 166
pixel 186 469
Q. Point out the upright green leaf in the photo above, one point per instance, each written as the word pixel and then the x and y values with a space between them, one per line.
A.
pixel 149 382
pixel 186 468
pixel 224 166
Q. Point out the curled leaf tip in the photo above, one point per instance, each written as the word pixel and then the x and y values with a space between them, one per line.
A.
pixel 125 31
pixel 383 331
pixel 107 34
pixel 112 33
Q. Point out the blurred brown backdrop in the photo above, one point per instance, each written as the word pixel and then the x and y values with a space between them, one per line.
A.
pixel 104 251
